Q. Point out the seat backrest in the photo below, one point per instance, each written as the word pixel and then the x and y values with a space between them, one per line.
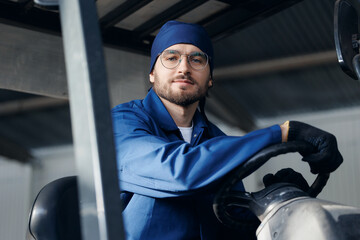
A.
pixel 55 212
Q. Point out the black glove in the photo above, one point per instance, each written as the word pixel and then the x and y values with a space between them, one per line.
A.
pixel 286 175
pixel 327 157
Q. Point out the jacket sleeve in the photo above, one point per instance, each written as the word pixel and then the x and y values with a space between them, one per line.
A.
pixel 153 166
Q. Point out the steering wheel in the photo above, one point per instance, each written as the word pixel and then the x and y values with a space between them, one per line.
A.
pixel 226 198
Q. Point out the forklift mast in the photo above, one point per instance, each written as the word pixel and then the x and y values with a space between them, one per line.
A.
pixel 97 179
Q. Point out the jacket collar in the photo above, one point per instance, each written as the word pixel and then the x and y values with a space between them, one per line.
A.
pixel 156 109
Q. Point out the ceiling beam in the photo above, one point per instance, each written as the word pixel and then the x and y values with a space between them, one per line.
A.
pixel 29 17
pixel 30 104
pixel 236 72
pixel 41 21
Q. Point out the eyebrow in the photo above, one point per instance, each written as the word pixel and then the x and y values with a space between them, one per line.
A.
pixel 198 53
pixel 173 51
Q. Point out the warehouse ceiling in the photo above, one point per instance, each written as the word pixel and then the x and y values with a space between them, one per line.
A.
pixel 272 58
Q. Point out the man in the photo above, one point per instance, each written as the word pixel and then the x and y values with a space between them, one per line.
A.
pixel 170 157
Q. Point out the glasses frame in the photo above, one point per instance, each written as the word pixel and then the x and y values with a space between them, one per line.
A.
pixel 187 59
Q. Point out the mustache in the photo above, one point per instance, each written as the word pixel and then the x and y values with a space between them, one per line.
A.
pixel 185 77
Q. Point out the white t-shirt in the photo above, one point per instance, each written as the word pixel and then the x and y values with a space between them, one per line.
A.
pixel 186 132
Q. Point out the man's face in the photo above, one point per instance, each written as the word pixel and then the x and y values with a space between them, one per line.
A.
pixel 181 85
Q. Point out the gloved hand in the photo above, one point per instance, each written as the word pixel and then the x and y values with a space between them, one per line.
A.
pixel 286 175
pixel 327 157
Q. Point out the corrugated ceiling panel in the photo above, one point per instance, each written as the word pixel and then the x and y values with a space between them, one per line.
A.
pixel 105 6
pixel 203 11
pixel 304 28
pixel 146 13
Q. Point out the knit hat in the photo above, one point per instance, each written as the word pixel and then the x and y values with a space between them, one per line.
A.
pixel 174 32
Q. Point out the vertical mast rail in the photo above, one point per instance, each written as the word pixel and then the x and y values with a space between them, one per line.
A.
pixel 99 192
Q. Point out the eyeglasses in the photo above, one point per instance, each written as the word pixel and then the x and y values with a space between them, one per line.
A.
pixel 172 58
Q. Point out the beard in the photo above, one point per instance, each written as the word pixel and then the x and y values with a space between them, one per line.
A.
pixel 182 98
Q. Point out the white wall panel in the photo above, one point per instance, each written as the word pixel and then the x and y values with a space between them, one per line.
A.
pixel 15 180
pixel 51 164
pixel 20 183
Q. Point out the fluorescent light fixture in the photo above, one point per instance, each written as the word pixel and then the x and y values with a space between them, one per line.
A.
pixel 47 3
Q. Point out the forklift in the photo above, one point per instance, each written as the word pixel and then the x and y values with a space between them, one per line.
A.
pixel 285 211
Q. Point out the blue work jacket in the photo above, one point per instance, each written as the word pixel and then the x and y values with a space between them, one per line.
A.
pixel 168 184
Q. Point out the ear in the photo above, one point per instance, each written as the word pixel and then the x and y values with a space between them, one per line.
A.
pixel 151 77
pixel 210 83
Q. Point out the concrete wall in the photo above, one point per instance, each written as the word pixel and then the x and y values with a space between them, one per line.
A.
pixel 20 183
pixel 15 192
pixel 51 164
pixel 33 62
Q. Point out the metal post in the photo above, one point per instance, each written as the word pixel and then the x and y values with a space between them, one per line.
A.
pixel 99 193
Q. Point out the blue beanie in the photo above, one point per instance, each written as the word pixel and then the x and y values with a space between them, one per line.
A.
pixel 174 32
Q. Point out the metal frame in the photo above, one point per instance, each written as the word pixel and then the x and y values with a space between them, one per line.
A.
pixel 99 193
pixel 239 15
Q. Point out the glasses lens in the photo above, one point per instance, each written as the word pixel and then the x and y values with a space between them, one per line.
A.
pixel 198 60
pixel 170 58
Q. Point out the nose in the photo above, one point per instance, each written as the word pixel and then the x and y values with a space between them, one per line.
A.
pixel 184 65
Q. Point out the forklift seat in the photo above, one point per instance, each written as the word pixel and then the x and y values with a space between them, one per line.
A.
pixel 55 212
